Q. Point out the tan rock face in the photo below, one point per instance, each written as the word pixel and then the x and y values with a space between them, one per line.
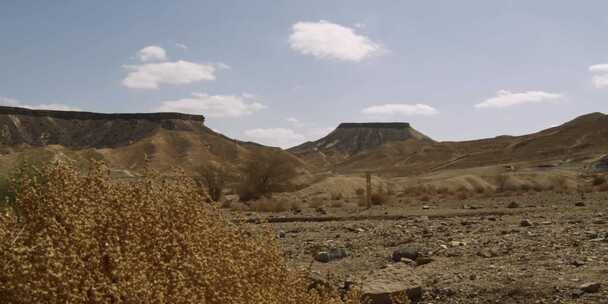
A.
pixel 395 282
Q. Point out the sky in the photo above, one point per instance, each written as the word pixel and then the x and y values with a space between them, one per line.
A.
pixel 283 72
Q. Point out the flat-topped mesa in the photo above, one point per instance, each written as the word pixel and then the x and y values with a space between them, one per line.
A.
pixel 352 138
pixel 375 125
pixel 91 115
pixel 19 126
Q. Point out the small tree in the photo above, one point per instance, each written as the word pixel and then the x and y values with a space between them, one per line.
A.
pixel 266 173
pixel 213 177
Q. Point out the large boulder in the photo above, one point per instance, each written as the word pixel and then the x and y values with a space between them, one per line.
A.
pixel 394 282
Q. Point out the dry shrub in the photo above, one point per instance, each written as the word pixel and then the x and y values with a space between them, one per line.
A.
pixel 360 192
pixel 379 198
pixel 268 172
pixel 213 177
pixel 87 239
pixel 598 180
pixel 336 196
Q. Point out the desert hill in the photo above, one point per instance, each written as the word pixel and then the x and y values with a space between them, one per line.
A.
pixel 122 140
pixel 349 140
pixel 575 142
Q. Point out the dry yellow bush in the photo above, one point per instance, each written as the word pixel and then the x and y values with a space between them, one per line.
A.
pixel 87 239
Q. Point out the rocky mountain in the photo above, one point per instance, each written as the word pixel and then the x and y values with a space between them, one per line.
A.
pixel 169 140
pixel 352 139
pixel 400 150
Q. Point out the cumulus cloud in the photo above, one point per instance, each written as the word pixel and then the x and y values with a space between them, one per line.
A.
pixel 400 109
pixel 506 98
pixel 181 46
pixel 11 102
pixel 213 105
pixel 278 137
pixel 152 53
pixel 152 75
pixel 600 79
pixel 324 39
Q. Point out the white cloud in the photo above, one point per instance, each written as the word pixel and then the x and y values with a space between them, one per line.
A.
pixel 600 80
pixel 324 39
pixel 279 137
pixel 213 105
pixel 152 53
pixel 181 46
pixel 400 109
pixel 10 102
pixel 223 66
pixel 151 75
pixel 505 99
pixel 602 68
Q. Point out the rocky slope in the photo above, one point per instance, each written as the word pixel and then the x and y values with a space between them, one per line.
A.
pixel 372 147
pixel 352 139
pixel 169 140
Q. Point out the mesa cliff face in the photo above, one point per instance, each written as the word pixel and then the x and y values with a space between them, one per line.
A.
pixel 351 139
pixel 20 126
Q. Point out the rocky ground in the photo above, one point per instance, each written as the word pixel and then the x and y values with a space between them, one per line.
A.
pixel 532 248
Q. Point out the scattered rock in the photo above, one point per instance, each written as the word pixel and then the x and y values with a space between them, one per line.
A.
pixel 281 234
pixel 525 223
pixel 332 254
pixel 409 262
pixel 592 287
pixel 513 205
pixel 579 204
pixel 384 285
pixel 487 253
pixel 407 251
pixel 578 263
pixel 425 207
pixel 423 260
pixel 317 281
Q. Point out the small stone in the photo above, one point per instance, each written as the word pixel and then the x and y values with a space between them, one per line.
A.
pixel 578 263
pixel 281 234
pixel 592 287
pixel 422 260
pixel 425 207
pixel 408 251
pixel 513 205
pixel 580 204
pixel 409 262
pixel 525 223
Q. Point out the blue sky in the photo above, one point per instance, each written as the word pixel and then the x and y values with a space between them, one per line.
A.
pixel 282 72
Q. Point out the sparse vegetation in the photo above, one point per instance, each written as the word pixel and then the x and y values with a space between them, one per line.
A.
pixel 213 177
pixel 87 239
pixel 267 173
pixel 598 180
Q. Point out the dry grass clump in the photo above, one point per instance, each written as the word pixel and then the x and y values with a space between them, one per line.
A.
pixel 72 238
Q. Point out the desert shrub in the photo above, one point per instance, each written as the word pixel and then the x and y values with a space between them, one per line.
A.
pixel 268 172
pixel 360 192
pixel 213 177
pixel 501 182
pixel 336 196
pixel 87 239
pixel 379 198
pixel 598 180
